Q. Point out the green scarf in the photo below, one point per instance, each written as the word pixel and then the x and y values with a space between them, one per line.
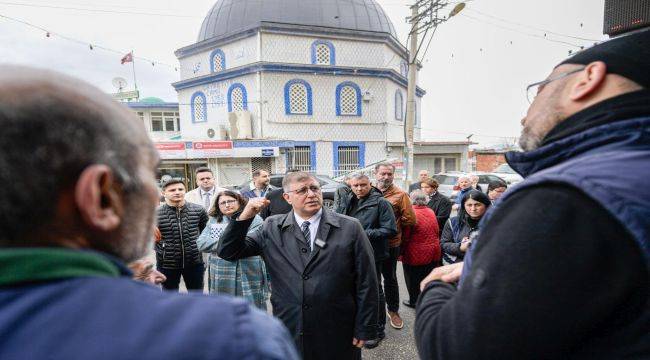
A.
pixel 24 265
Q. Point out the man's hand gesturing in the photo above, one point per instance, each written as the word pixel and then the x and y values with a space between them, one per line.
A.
pixel 253 207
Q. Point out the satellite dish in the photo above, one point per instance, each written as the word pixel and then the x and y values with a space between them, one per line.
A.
pixel 119 83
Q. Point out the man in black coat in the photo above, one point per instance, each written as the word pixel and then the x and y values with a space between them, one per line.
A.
pixel 277 204
pixel 321 264
pixel 367 204
pixel 180 224
pixel 560 269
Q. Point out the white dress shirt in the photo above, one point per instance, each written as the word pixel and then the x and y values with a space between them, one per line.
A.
pixel 314 221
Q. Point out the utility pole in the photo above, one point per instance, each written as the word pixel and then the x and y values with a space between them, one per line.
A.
pixel 421 22
pixel 410 97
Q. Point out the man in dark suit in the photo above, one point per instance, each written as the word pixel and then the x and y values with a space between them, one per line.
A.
pixel 422 176
pixel 321 263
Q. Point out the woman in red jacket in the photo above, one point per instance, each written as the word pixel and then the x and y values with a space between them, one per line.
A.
pixel 420 246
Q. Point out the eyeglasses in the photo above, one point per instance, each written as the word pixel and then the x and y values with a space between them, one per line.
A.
pixel 303 190
pixel 533 89
pixel 227 202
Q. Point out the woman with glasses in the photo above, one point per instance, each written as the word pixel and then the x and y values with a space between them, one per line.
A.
pixel 245 278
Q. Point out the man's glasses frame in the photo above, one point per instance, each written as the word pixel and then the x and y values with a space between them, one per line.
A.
pixel 535 88
pixel 303 190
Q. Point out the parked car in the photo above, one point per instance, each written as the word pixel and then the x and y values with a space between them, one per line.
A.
pixel 448 182
pixel 327 184
pixel 505 172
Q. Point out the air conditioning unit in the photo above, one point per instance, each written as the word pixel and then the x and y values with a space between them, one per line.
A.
pixel 241 126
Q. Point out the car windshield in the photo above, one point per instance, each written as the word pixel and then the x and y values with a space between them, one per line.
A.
pixel 505 168
pixel 446 179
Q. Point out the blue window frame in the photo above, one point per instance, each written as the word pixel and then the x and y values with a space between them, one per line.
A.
pixel 399 105
pixel 348 99
pixel 404 68
pixel 237 98
pixel 217 61
pixel 199 107
pixel 297 97
pixel 323 53
pixel 343 157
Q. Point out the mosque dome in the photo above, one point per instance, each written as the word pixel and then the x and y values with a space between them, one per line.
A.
pixel 232 16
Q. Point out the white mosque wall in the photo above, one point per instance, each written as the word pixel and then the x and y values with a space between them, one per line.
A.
pixel 238 53
pixel 216 95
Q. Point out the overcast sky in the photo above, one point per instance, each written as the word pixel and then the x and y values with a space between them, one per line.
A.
pixel 475 71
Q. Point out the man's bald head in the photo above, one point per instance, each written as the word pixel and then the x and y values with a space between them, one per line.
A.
pixel 55 128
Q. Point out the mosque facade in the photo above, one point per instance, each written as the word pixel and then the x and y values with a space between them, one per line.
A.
pixel 318 85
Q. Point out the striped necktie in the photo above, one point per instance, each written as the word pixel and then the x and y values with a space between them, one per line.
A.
pixel 306 233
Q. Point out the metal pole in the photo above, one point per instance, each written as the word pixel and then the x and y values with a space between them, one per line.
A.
pixel 135 83
pixel 410 100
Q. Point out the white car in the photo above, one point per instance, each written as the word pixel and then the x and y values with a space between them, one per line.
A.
pixel 505 172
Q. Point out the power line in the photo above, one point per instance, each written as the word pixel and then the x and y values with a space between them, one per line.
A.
pixel 532 27
pixel 121 12
pixel 522 32
pixel 91 46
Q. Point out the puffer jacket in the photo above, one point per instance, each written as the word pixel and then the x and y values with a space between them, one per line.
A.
pixel 402 209
pixel 376 216
pixel 179 229
pixel 420 242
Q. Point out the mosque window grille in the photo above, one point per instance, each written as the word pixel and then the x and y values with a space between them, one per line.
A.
pixel 348 99
pixel 217 61
pixel 299 158
pixel 237 98
pixel 298 98
pixel 399 105
pixel 261 163
pixel 199 108
pixel 348 159
pixel 323 53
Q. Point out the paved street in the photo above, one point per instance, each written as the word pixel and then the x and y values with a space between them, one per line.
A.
pixel 399 344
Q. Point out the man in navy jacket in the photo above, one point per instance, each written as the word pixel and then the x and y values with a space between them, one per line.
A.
pixel 83 207
pixel 560 269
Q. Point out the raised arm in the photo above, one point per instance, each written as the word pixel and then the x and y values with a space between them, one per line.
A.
pixel 236 241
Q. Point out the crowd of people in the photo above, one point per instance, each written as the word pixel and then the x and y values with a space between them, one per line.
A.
pixel 555 267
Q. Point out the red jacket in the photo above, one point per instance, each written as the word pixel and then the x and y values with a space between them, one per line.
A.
pixel 420 242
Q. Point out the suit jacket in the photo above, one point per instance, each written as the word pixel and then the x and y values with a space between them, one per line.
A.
pixel 324 297
pixel 194 196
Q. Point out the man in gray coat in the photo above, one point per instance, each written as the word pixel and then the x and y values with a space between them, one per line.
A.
pixel 321 264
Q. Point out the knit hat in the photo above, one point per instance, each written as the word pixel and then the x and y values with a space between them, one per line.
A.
pixel 627 55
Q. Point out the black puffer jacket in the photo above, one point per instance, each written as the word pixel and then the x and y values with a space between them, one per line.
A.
pixel 377 218
pixel 179 227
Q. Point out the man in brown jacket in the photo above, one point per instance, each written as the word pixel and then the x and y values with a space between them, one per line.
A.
pixel 404 216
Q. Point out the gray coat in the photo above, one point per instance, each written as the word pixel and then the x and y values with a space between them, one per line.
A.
pixel 326 297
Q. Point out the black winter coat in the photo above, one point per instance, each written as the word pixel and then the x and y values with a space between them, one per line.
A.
pixel 377 218
pixel 277 204
pixel 324 297
pixel 441 206
pixel 340 198
pixel 450 240
pixel 179 227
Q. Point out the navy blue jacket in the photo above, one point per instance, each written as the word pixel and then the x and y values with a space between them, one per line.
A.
pixel 560 267
pixel 118 318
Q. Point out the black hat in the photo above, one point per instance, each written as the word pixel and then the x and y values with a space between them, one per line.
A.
pixel 627 55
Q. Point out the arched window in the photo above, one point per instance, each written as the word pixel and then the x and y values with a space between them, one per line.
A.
pixel 399 105
pixel 237 98
pixel 323 53
pixel 404 68
pixel 217 61
pixel 199 107
pixel 297 97
pixel 348 99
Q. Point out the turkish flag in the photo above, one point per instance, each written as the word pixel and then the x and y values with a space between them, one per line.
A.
pixel 127 58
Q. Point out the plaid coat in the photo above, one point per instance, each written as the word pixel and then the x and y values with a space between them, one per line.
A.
pixel 245 278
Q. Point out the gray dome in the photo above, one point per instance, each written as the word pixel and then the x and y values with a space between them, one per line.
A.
pixel 231 16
